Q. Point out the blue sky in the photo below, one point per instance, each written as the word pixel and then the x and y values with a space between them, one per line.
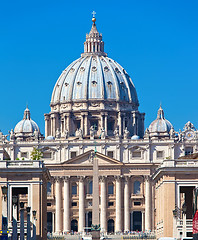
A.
pixel 155 41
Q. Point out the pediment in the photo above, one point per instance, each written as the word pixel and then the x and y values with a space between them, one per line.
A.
pixel 87 159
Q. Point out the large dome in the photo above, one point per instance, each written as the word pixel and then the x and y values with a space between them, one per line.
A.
pixel 94 78
pixel 94 91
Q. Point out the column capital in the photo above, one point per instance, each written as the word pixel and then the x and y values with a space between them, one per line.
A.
pixel 81 178
pixel 118 178
pixel 126 178
pixel 66 178
pixel 67 114
pixel 102 178
pixel 147 178
pixel 57 179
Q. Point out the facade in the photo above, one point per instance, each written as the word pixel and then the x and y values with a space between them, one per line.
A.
pixel 142 176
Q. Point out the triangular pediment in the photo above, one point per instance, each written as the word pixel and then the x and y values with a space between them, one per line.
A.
pixel 87 159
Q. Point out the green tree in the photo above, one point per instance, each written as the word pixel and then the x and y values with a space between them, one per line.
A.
pixel 36 154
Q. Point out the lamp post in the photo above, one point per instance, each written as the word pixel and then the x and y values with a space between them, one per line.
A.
pixel 28 223
pixel 34 225
pixel 21 220
pixel 14 217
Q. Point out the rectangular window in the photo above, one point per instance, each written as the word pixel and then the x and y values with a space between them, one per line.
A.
pixel 110 189
pixel 47 155
pixel 24 154
pixel 49 204
pixel 74 204
pixel 137 203
pixel 94 123
pixel 110 204
pixel 49 188
pixel 110 154
pixel 110 125
pixel 188 151
pixel 77 124
pixel 160 154
pixel 74 189
pixel 136 154
pixel 73 154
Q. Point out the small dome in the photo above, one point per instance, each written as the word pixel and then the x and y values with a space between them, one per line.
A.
pixel 160 125
pixel 26 126
pixel 135 137
pixel 50 138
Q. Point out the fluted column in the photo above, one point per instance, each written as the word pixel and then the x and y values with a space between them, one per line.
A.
pixel 102 120
pixel 51 120
pixel 148 203
pixel 67 122
pixel 81 223
pixel 82 123
pixel 120 123
pixel 126 205
pixel 86 124
pixel 103 211
pixel 118 226
pixel 66 205
pixel 47 125
pixel 58 205
pixel 106 130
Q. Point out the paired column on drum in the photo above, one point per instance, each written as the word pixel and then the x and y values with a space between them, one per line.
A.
pixel 148 203
pixel 118 225
pixel 103 216
pixel 66 205
pixel 81 222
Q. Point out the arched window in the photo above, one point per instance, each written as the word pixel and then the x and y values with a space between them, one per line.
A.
pixel 74 225
pixel 90 187
pixel 110 226
pixel 74 188
pixel 110 188
pixel 136 187
pixel 49 188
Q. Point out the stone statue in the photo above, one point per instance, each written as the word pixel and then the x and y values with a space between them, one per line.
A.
pixel 102 133
pixel 80 133
pixel 180 135
pixel 58 134
pixel 146 134
pixel 116 132
pixel 36 134
pixel 66 132
pixel 126 133
pixel 172 132
pixel 12 135
pixel 77 133
pixel 189 126
pixel 3 138
pixel 92 132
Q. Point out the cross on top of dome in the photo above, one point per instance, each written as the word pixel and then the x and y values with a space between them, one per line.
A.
pixel 94 44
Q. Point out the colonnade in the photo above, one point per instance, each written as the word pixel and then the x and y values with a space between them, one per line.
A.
pixel 64 123
pixel 121 213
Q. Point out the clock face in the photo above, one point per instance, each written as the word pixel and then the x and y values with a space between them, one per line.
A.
pixel 189 135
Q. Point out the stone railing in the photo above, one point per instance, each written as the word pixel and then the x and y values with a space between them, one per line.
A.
pixel 180 163
pixel 21 164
